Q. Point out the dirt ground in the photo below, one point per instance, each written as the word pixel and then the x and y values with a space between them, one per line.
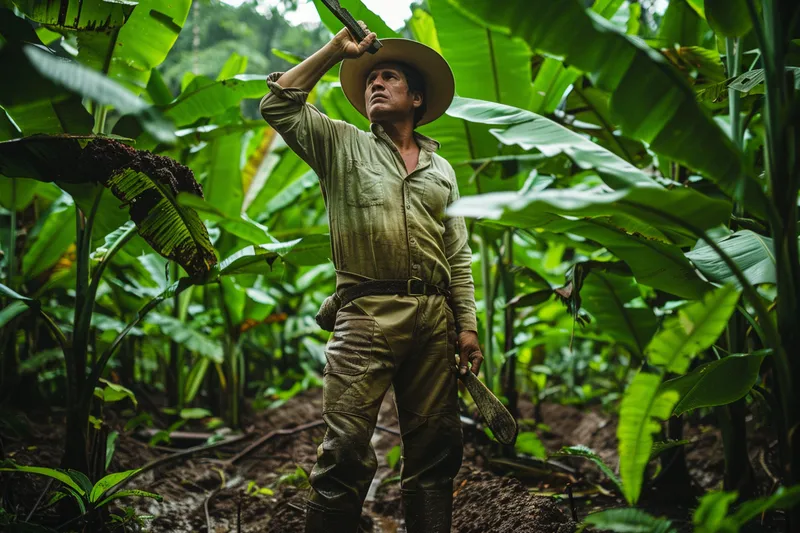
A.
pixel 495 491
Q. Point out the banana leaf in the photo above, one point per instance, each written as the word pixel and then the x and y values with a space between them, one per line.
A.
pixel 648 96
pixel 693 328
pixel 147 184
pixel 81 15
pixel 716 383
pixel 643 408
pixel 754 254
pixel 530 130
pixel 610 300
pixel 128 54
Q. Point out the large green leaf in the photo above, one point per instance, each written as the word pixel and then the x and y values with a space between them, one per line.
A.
pixel 206 98
pixel 50 238
pixel 241 226
pixel 185 335
pixel 530 130
pixel 680 25
pixel 423 28
pixel 643 409
pixel 147 184
pixel 359 12
pixel 716 383
pixel 654 263
pixel 611 301
pixel 22 191
pixel 223 184
pixel 754 254
pixel 87 83
pixel 83 15
pixel 694 328
pixel 36 104
pixel 661 208
pixel 650 100
pixel 728 18
pixel 284 168
pixel 311 250
pixel 129 54
pixel 487 65
pixel 628 520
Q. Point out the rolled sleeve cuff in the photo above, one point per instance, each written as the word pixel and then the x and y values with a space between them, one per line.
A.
pixel 286 93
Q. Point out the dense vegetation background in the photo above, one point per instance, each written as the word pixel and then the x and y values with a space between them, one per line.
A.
pixel 630 176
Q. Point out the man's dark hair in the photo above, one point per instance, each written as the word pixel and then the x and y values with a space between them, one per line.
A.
pixel 416 83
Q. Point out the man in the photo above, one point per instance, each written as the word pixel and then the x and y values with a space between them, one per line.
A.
pixel 399 259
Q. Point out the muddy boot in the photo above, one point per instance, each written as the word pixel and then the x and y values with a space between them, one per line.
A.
pixel 428 511
pixel 322 520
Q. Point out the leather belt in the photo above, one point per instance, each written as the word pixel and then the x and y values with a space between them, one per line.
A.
pixel 403 287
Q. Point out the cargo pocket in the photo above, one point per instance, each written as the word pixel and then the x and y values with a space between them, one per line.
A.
pixel 363 185
pixel 350 348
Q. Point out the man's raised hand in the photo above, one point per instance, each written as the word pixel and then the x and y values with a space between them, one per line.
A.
pixel 349 47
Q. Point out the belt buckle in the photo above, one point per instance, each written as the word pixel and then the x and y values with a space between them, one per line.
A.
pixel 410 292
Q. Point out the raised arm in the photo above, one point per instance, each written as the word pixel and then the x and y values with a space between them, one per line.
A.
pixel 307 74
pixel 312 135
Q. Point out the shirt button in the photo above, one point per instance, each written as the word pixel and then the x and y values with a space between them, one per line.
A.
pixel 415 266
pixel 412 240
pixel 408 206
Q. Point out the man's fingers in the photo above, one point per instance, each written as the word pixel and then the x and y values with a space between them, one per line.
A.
pixel 463 363
pixel 477 360
pixel 366 43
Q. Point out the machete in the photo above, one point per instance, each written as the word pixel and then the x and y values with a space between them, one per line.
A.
pixel 350 23
pixel 499 420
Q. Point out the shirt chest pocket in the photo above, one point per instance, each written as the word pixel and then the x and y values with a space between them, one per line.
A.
pixel 363 186
pixel 437 193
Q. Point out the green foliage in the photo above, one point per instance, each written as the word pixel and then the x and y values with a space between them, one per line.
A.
pixel 712 515
pixel 628 520
pixel 695 327
pixel 643 408
pixel 716 383
pixel 588 453
pixel 529 443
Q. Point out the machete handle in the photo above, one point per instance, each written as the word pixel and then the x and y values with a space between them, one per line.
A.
pixel 350 23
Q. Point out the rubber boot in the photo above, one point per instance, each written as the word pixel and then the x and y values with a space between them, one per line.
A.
pixel 322 520
pixel 428 511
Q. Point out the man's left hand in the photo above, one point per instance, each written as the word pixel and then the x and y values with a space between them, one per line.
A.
pixel 469 351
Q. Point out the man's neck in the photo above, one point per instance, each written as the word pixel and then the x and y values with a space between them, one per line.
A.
pixel 402 135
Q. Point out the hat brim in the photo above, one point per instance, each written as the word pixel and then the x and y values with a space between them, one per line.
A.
pixel 439 81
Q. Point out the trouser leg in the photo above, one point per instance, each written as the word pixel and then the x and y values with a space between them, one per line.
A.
pixel 355 380
pixel 427 405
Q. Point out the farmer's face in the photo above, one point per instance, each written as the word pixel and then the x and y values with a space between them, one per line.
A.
pixel 387 94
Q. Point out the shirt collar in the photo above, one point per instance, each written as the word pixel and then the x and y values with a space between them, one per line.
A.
pixel 424 142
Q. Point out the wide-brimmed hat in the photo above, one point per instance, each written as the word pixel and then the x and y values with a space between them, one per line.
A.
pixel 439 82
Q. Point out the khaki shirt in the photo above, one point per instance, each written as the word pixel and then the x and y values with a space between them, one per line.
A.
pixel 384 223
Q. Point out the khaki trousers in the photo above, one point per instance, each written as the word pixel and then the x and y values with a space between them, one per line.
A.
pixel 407 342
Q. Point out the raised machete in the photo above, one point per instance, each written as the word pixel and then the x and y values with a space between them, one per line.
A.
pixel 350 23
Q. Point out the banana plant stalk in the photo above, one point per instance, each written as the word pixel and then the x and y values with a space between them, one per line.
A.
pixel 488 299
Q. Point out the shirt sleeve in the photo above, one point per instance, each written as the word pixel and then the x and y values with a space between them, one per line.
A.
pixel 459 256
pixel 312 135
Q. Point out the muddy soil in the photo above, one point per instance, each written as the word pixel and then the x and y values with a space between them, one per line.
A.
pixel 495 492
